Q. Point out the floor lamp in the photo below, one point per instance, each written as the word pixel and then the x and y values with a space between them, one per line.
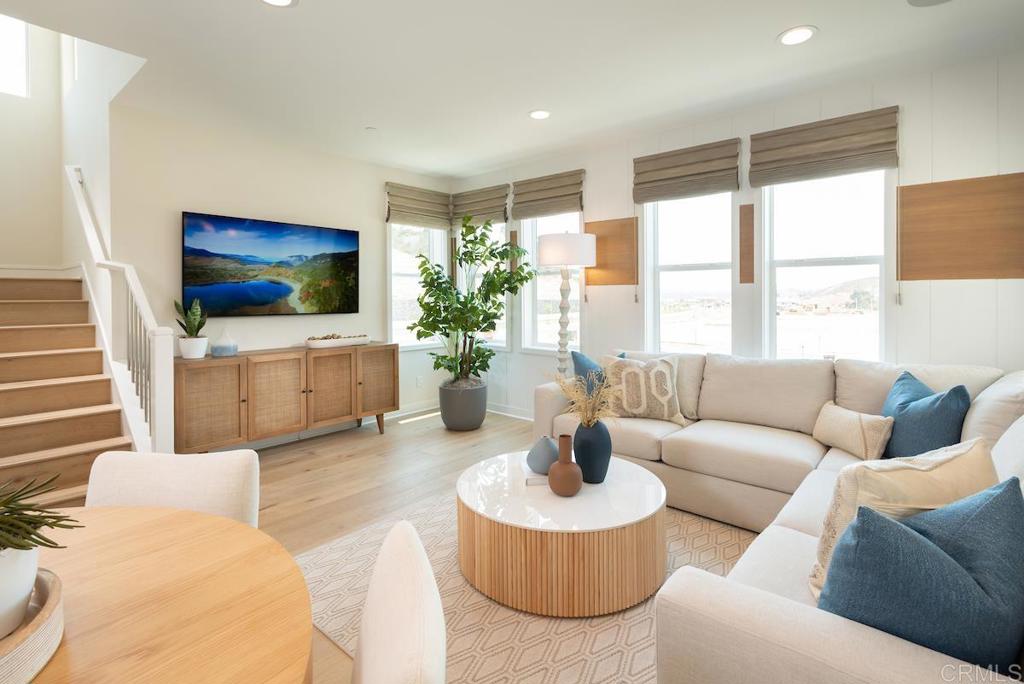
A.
pixel 566 250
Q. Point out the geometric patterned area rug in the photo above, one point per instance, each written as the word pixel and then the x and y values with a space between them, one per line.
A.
pixel 490 643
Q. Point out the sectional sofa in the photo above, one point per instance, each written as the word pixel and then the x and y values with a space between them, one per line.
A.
pixel 746 457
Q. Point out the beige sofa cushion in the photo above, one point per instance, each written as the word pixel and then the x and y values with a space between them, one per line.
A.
pixel 837 459
pixel 860 434
pixel 689 374
pixel 776 562
pixel 636 437
pixel 995 409
pixel 786 394
pixel 901 487
pixel 1008 453
pixel 751 454
pixel 806 509
pixel 863 385
pixel 644 389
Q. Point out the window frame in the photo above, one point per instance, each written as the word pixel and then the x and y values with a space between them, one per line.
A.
pixel 444 249
pixel 770 300
pixel 527 231
pixel 27 72
pixel 651 223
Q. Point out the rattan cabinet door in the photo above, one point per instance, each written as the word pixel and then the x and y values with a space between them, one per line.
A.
pixel 277 394
pixel 378 379
pixel 331 386
pixel 210 404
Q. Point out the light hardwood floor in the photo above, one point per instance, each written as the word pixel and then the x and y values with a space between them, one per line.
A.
pixel 320 489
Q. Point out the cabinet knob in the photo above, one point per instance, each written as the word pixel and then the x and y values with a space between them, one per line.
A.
pixel 242 400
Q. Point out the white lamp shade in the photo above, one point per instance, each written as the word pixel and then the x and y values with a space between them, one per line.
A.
pixel 567 249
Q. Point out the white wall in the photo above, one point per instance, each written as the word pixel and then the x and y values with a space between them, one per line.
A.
pixel 956 121
pixel 163 166
pixel 30 195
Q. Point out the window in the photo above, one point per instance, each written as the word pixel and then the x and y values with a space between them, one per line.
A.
pixel 407 243
pixel 498 338
pixel 692 281
pixel 543 294
pixel 825 246
pixel 13 57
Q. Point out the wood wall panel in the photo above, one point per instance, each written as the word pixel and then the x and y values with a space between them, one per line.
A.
pixel 746 243
pixel 962 229
pixel 617 258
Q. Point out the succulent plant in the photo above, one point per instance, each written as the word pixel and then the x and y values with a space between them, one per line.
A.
pixel 193 320
pixel 21 521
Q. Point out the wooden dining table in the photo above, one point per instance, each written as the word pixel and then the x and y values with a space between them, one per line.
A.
pixel 163 595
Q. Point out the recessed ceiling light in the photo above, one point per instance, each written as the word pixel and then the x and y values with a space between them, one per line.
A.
pixel 539 114
pixel 370 129
pixel 926 3
pixel 281 3
pixel 797 35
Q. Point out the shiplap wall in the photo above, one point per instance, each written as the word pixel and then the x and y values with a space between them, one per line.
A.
pixel 957 121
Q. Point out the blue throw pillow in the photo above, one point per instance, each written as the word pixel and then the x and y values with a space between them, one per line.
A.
pixel 951 579
pixel 583 366
pixel 923 420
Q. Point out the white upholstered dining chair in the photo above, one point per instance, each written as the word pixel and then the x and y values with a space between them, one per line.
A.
pixel 402 632
pixel 224 483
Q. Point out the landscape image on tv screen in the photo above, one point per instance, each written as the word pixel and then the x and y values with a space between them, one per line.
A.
pixel 246 267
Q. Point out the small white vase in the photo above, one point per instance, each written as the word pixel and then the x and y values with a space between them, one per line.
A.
pixel 17 577
pixel 193 347
pixel 225 345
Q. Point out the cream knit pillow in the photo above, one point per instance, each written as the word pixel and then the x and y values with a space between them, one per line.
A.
pixel 901 487
pixel 644 389
pixel 860 434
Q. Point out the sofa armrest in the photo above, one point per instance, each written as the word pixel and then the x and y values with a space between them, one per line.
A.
pixel 548 402
pixel 711 630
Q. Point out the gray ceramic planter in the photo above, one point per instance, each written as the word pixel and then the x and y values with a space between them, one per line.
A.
pixel 463 408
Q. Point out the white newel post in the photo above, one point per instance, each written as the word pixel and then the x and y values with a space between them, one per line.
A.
pixel 161 418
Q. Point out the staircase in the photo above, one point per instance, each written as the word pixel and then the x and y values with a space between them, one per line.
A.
pixel 57 410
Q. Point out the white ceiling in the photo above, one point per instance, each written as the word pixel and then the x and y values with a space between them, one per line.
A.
pixel 448 84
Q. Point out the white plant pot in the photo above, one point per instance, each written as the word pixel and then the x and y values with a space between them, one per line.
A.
pixel 17 577
pixel 193 347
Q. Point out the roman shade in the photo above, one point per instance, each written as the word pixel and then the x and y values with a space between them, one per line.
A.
pixel 556 194
pixel 846 144
pixel 417 207
pixel 486 204
pixel 700 170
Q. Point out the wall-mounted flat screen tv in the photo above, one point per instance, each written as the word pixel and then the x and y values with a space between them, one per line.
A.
pixel 247 267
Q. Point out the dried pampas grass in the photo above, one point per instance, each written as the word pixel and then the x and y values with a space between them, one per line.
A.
pixel 590 398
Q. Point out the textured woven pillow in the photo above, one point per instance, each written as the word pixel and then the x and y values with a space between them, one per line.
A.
pixel 901 487
pixel 644 389
pixel 860 434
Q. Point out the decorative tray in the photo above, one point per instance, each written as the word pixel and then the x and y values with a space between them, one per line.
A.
pixel 339 341
pixel 26 650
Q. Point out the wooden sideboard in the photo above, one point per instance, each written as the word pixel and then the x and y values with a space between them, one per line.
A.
pixel 259 394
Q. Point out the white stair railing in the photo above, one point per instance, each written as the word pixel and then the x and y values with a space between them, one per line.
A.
pixel 146 349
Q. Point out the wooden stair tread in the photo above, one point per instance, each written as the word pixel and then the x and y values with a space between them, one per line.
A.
pixel 30 279
pixel 52 382
pixel 43 301
pixel 111 444
pixel 44 326
pixel 48 352
pixel 31 418
pixel 59 496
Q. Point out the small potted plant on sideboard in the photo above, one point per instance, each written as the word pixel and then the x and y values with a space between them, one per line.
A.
pixel 21 525
pixel 458 310
pixel 192 345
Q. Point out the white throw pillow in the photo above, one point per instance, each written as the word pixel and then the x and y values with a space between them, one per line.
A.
pixel 901 487
pixel 860 434
pixel 644 389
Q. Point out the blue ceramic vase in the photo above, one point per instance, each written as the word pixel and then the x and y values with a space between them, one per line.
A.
pixel 542 455
pixel 593 448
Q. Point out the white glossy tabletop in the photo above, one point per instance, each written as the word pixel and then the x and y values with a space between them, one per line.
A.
pixel 497 489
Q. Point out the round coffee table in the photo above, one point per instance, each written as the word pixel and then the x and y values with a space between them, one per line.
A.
pixel 598 552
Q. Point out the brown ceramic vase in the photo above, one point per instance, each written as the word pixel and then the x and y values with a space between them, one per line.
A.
pixel 565 477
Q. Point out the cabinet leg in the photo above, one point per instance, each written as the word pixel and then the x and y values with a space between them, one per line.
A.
pixel 359 422
pixel 380 422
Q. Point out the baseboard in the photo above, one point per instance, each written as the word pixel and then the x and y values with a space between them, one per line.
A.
pixel 510 411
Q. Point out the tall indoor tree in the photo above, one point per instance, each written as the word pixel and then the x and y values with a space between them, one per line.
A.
pixel 457 310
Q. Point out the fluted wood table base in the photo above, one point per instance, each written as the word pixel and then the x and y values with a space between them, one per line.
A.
pixel 563 574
